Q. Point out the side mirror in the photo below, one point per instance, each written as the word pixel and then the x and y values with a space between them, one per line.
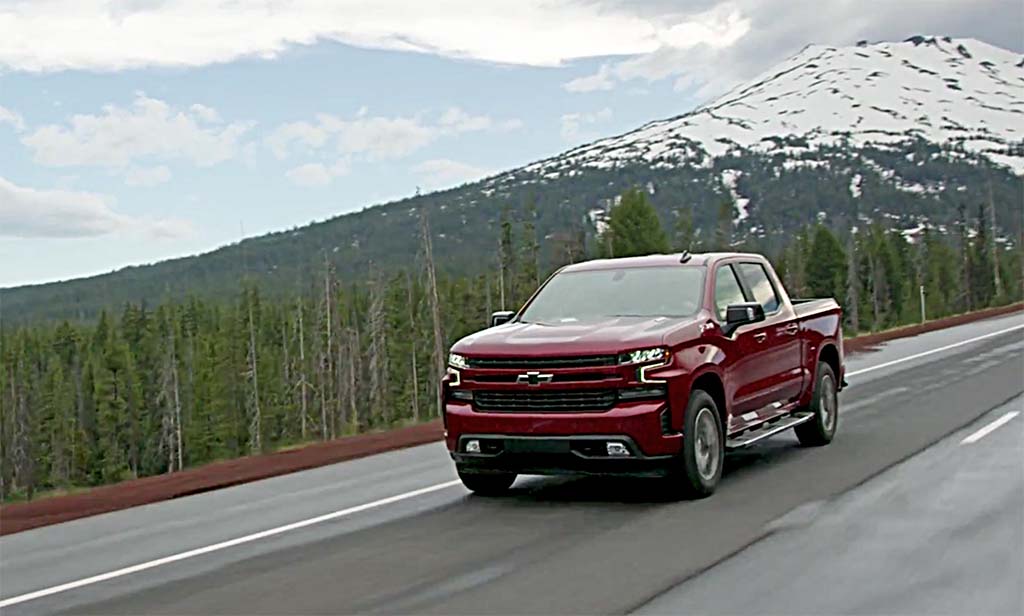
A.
pixel 742 314
pixel 501 317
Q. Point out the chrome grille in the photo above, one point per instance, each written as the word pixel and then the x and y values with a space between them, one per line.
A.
pixel 564 401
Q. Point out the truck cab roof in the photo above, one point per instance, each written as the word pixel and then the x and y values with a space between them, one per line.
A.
pixel 661 260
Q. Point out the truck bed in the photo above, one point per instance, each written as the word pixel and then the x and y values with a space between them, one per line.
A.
pixel 805 308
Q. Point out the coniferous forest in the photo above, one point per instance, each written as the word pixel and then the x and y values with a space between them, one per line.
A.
pixel 156 387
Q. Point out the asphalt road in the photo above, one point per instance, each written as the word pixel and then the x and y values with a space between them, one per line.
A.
pixel 553 545
pixel 942 533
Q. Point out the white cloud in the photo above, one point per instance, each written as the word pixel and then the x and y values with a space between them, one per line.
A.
pixel 510 125
pixel 440 172
pixel 574 124
pixel 317 174
pixel 379 137
pixel 147 176
pixel 39 213
pixel 718 28
pixel 310 135
pixel 204 113
pixel 601 80
pixel 148 128
pixel 459 121
pixel 708 47
pixel 13 118
pixel 46 35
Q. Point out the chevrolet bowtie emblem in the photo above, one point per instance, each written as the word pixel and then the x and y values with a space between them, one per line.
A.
pixel 533 379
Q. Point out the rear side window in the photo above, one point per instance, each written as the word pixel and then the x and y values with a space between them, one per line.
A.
pixel 727 290
pixel 760 286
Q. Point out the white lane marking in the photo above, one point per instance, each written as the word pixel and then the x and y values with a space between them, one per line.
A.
pixel 223 545
pixel 992 427
pixel 933 351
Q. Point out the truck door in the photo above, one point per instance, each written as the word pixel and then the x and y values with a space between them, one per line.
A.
pixel 747 350
pixel 780 372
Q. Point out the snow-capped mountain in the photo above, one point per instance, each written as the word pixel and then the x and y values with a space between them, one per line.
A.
pixel 961 92
pixel 909 136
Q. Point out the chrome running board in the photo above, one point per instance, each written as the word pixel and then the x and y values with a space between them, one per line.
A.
pixel 769 428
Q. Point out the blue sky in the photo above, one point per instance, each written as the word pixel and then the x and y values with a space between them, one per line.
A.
pixel 139 130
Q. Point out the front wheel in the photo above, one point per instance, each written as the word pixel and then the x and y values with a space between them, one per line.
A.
pixel 487 484
pixel 825 408
pixel 703 453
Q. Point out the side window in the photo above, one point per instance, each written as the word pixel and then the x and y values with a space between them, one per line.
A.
pixel 727 290
pixel 760 286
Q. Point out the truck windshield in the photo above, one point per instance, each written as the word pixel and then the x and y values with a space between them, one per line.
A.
pixel 627 292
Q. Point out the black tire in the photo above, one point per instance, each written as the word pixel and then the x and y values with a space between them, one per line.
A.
pixel 487 484
pixel 825 406
pixel 700 465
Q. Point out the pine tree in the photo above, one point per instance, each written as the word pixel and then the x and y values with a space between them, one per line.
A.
pixel 530 276
pixel 983 283
pixel 634 227
pixel 826 270
pixel 506 260
pixel 684 239
pixel 723 227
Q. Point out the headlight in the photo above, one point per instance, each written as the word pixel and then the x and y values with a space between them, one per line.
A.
pixel 644 356
pixel 457 361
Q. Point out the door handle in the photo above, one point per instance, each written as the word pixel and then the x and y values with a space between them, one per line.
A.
pixel 790 329
pixel 760 336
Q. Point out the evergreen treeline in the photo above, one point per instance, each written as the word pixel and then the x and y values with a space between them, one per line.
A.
pixel 153 389
pixel 786 188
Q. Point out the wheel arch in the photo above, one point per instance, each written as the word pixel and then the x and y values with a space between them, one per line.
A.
pixel 829 354
pixel 711 382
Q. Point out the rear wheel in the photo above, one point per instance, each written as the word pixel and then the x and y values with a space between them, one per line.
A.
pixel 825 407
pixel 487 484
pixel 703 453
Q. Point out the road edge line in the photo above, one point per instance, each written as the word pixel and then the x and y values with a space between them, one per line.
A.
pixel 263 534
pixel 934 351
pixel 989 428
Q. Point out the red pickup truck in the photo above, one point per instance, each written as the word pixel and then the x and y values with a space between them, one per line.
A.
pixel 646 366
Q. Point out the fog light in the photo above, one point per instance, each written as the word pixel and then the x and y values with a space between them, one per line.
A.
pixel 473 446
pixel 617 449
pixel 461 394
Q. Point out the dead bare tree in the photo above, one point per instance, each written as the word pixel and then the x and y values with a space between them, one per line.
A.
pixel 413 333
pixel 169 397
pixel 435 307
pixel 303 383
pixel 256 415
pixel 992 242
pixel 354 370
pixel 852 307
pixel 326 356
pixel 378 352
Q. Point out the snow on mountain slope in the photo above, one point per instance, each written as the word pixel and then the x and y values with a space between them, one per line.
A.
pixel 959 91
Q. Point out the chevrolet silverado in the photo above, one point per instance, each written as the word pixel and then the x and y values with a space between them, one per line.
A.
pixel 645 366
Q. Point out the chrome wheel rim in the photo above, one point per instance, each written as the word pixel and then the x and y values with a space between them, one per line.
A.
pixel 827 403
pixel 706 449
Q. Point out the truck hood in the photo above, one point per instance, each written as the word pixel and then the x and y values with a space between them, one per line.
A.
pixel 607 336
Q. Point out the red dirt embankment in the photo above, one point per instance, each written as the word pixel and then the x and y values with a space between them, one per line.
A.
pixel 23 516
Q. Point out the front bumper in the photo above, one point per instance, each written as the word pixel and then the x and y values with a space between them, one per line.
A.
pixel 559 455
pixel 564 443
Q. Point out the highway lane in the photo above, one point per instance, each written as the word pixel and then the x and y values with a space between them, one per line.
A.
pixel 571 545
pixel 938 534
